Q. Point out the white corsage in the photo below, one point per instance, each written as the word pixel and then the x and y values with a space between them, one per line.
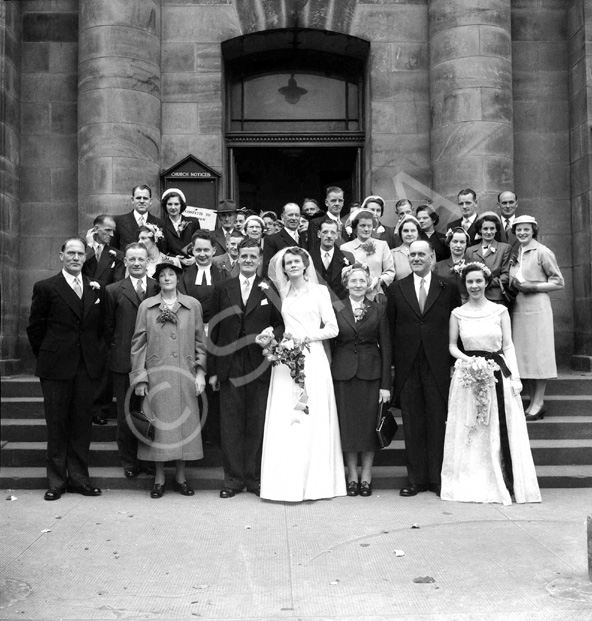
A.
pixel 263 286
pixel 94 285
pixel 113 254
pixel 345 261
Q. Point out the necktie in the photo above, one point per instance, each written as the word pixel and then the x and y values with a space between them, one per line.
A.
pixel 508 226
pixel 77 288
pixel 326 260
pixel 140 290
pixel 466 224
pixel 485 250
pixel 142 221
pixel 246 290
pixel 98 251
pixel 422 294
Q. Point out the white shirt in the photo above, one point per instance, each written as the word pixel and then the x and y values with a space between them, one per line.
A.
pixel 142 280
pixel 208 275
pixel 138 215
pixel 70 280
pixel 470 219
pixel 417 282
pixel 324 254
pixel 293 234
pixel 510 219
pixel 98 248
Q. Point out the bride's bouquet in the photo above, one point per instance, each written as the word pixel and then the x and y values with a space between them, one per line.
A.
pixel 478 375
pixel 291 352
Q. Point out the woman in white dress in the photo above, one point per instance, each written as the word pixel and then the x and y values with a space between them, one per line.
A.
pixel 487 454
pixel 302 457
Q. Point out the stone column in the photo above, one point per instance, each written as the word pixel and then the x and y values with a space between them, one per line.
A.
pixel 580 121
pixel 119 113
pixel 471 98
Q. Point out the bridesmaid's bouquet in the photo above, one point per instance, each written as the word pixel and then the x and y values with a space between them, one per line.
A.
pixel 291 352
pixel 478 375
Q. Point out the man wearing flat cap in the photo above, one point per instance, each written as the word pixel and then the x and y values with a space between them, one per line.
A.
pixel 226 224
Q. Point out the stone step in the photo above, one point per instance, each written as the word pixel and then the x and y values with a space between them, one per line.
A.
pixel 104 454
pixel 212 478
pixel 550 428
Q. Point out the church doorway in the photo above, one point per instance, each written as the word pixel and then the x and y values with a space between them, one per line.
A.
pixel 267 178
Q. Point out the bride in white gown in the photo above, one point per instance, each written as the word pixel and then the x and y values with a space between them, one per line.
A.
pixel 487 453
pixel 302 457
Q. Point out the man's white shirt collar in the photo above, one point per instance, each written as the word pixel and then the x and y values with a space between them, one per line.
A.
pixel 138 215
pixel 143 280
pixel 70 279
pixel 417 282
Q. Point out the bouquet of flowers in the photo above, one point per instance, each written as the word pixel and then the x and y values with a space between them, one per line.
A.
pixel 291 352
pixel 478 374
pixel 166 315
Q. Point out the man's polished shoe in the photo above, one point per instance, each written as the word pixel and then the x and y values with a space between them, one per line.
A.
pixel 132 473
pixel 99 420
pixel 228 492
pixel 365 488
pixel 54 493
pixel 85 490
pixel 157 491
pixel 352 488
pixel 437 489
pixel 182 488
pixel 413 490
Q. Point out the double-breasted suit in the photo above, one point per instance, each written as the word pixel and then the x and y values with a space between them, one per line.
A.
pixel 360 366
pixel 331 276
pixel 65 334
pixel 422 371
pixel 274 243
pixel 127 229
pixel 497 259
pixel 243 374
pixel 121 309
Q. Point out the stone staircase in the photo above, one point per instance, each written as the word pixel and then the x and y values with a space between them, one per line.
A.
pixel 561 443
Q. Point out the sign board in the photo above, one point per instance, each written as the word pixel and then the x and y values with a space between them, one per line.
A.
pixel 197 181
pixel 206 217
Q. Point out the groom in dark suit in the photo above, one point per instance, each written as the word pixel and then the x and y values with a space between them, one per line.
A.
pixel 65 330
pixel 419 308
pixel 128 225
pixel 242 308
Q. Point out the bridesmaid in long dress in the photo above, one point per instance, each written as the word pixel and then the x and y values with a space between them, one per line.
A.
pixel 486 450
pixel 302 457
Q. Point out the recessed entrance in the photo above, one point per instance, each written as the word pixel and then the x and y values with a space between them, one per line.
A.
pixel 269 177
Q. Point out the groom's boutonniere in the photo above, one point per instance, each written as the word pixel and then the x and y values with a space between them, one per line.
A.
pixel 263 286
pixel 112 254
pixel 94 285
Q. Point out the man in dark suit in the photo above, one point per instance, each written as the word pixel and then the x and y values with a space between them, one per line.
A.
pixel 329 260
pixel 128 225
pixel 467 202
pixel 226 225
pixel 242 308
pixel 103 264
pixel 419 308
pixel 294 233
pixel 227 263
pixel 507 203
pixel 65 329
pixel 334 203
pixel 122 299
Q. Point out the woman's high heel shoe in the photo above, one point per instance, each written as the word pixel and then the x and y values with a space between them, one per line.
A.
pixel 539 415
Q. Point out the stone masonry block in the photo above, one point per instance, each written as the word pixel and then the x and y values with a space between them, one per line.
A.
pixel 526 116
pixel 471 139
pixel 59 221
pixel 63 57
pixel 49 87
pixel 35 182
pixel 538 86
pixel 63 117
pixel 120 74
pixel 409 56
pixel 454 43
pixel 485 71
pixel 124 140
pixel 399 86
pixel 179 118
pixel 35 118
pixel 187 87
pixel 35 57
pixel 120 41
pixel 495 41
pixel 45 149
pixel 95 175
pixel 456 106
pixel 525 55
pixel 64 184
pixel 391 23
pixel 446 14
pixel 128 173
pixel 178 57
pixel 208 58
pixel 497 105
pixel 142 14
pixel 50 27
pixel 206 148
pixel 209 118
pixel 553 56
pixel 199 24
pixel 118 106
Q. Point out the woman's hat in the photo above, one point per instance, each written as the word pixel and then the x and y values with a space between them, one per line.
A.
pixel 261 222
pixel 161 266
pixel 176 191
pixel 525 220
pixel 491 214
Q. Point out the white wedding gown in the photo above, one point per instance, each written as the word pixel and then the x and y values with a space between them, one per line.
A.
pixel 471 470
pixel 302 458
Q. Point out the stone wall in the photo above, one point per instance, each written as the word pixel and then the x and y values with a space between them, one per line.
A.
pixel 541 141
pixel 10 144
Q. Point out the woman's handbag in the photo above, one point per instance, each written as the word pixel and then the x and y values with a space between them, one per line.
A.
pixel 141 424
pixel 387 425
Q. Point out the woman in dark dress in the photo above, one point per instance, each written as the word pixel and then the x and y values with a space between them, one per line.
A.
pixel 361 369
pixel 178 229
pixel 428 219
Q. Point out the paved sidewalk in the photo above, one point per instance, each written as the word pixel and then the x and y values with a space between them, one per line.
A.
pixel 126 556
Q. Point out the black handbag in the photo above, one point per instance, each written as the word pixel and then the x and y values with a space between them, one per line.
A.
pixel 141 424
pixel 387 425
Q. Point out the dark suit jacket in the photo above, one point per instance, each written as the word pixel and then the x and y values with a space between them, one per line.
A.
pixel 440 248
pixel 499 264
pixel 232 322
pixel 127 229
pixel 331 277
pixel 121 308
pixel 388 235
pixel 219 239
pixel 274 243
pixel 362 349
pixel 106 271
pixel 62 328
pixel 176 244
pixel 472 229
pixel 411 329
pixel 204 294
pixel 511 239
pixel 312 238
pixel 222 262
